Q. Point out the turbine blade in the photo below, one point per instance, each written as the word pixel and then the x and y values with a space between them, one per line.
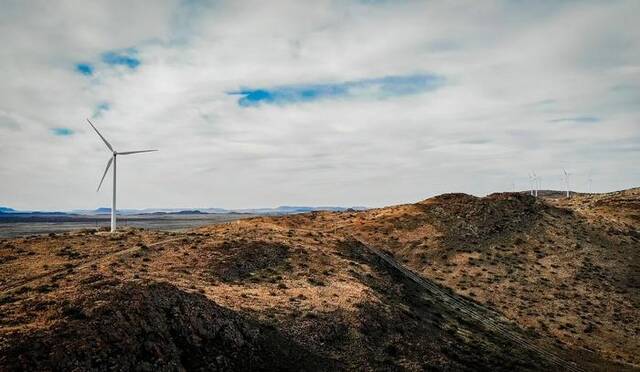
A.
pixel 105 173
pixel 104 140
pixel 135 152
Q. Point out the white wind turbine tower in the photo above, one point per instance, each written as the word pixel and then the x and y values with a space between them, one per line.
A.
pixel 536 183
pixel 566 180
pixel 589 181
pixel 114 154
pixel 531 183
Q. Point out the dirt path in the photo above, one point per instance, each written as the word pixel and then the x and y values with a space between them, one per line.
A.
pixel 24 282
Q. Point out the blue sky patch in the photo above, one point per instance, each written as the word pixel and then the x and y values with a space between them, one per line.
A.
pixel 124 58
pixel 377 88
pixel 62 131
pixel 85 69
pixel 100 108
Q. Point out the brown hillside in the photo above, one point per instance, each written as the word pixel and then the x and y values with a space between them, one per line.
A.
pixel 242 296
pixel 568 270
pixel 506 282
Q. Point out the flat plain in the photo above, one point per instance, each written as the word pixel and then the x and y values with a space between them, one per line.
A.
pixel 16 227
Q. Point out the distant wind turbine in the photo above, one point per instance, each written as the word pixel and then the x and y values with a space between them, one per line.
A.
pixel 536 183
pixel 532 184
pixel 566 181
pixel 589 181
pixel 539 185
pixel 114 154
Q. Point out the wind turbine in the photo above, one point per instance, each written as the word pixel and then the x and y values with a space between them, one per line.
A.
pixel 114 154
pixel 566 180
pixel 539 185
pixel 589 180
pixel 531 183
pixel 536 183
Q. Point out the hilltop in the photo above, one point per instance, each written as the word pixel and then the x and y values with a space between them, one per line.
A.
pixel 567 269
pixel 506 282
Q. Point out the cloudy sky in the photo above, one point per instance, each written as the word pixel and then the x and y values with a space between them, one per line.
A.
pixel 264 103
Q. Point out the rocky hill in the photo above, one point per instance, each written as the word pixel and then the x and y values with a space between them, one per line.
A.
pixel 565 269
pixel 507 282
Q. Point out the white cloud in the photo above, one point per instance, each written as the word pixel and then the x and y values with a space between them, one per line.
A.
pixel 511 69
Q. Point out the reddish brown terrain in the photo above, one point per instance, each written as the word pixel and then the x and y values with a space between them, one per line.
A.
pixel 506 282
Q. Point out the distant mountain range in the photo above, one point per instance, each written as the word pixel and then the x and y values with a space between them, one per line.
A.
pixel 6 211
pixel 161 211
